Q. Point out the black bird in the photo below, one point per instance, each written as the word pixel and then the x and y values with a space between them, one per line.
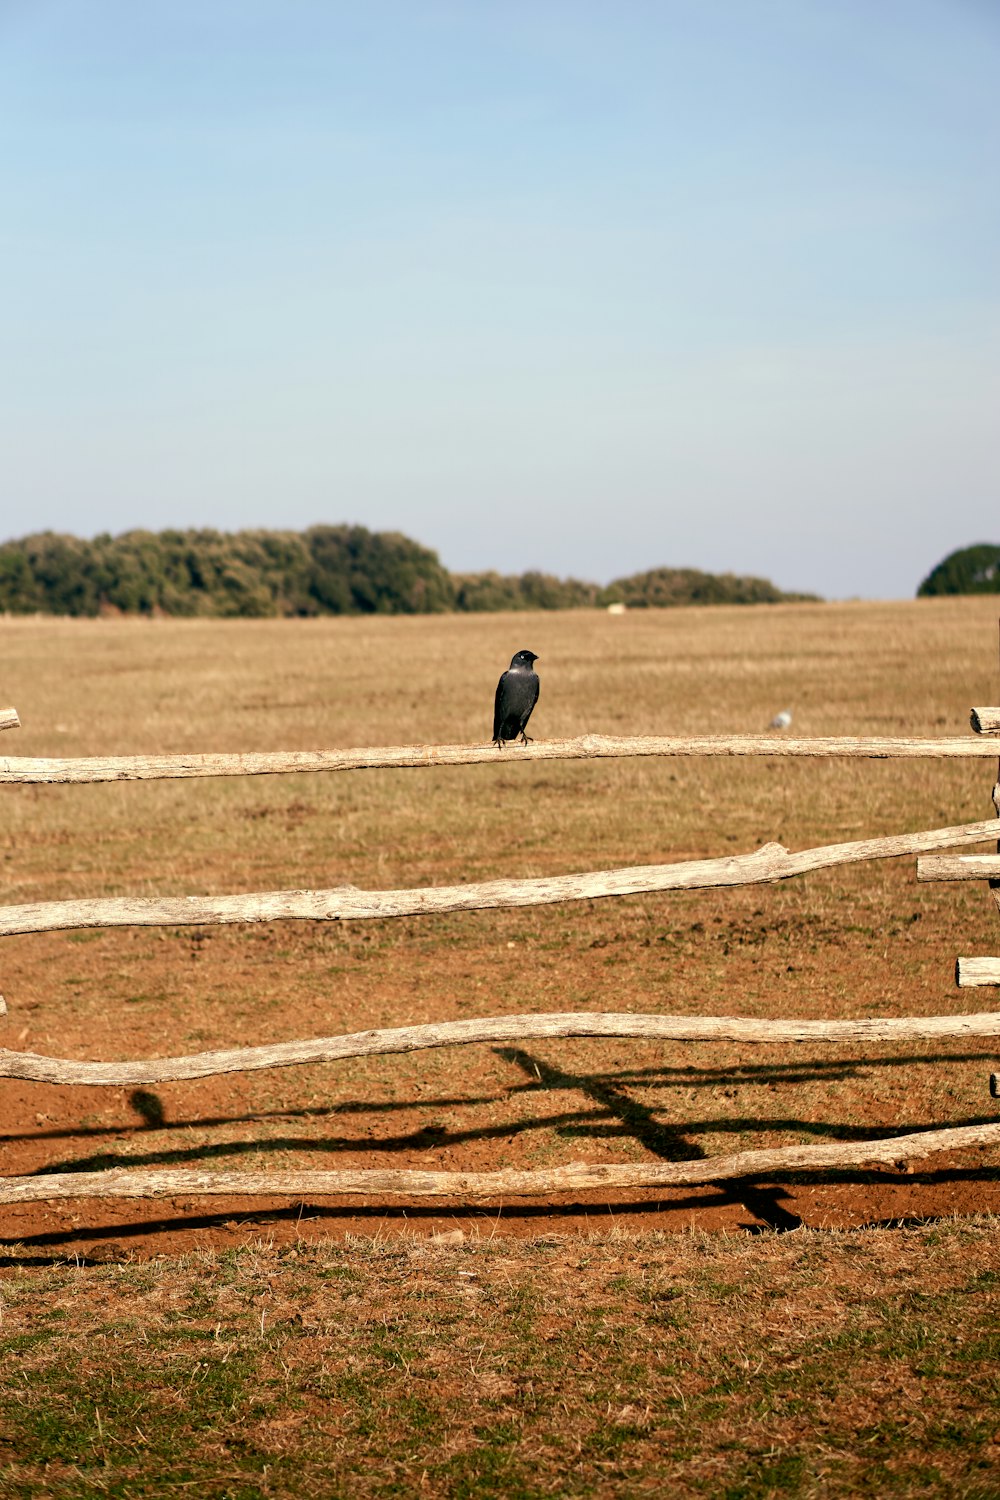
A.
pixel 517 694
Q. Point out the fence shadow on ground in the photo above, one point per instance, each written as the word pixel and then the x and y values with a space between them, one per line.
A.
pixel 615 1113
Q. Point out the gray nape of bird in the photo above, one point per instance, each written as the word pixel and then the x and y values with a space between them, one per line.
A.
pixel 517 694
pixel 782 720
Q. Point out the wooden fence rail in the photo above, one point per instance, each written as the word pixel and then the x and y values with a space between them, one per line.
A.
pixel 960 867
pixel 772 862
pixel 493 1029
pixel 386 757
pixel 345 903
pixel 893 1151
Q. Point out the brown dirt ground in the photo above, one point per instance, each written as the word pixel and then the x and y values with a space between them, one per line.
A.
pixel 854 942
pixel 448 1118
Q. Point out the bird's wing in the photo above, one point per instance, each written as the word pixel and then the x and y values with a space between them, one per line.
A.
pixel 521 697
pixel 498 714
pixel 533 699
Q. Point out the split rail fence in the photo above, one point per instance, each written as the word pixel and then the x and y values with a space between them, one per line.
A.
pixel 770 863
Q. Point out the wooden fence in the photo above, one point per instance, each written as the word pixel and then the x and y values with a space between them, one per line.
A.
pixel 768 864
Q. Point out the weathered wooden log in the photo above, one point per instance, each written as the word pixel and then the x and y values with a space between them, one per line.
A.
pixel 970 972
pixel 986 720
pixel 769 863
pixel 507 1183
pixel 493 1029
pixel 585 747
pixel 959 867
pixel 9 719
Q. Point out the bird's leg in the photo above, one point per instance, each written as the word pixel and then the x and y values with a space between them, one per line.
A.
pixel 525 739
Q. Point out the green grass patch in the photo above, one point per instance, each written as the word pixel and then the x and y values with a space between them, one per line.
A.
pixel 803 1365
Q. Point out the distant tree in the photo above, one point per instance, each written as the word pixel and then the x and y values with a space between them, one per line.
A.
pixel 356 571
pixel 970 570
pixel 542 591
pixel 129 572
pixel 483 592
pixel 20 591
pixel 665 588
pixel 62 572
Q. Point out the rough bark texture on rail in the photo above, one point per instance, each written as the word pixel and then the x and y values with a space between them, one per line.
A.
pixel 584 747
pixel 769 863
pixel 508 1183
pixel 518 1028
pixel 959 867
pixel 9 719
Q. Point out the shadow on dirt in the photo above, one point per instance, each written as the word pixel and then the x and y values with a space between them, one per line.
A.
pixel 610 1112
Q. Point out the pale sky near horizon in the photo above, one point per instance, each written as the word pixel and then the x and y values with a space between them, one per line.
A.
pixel 586 287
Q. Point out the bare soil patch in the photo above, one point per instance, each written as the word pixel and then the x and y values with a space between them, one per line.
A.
pixel 832 944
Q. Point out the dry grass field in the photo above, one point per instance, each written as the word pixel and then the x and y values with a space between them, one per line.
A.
pixel 591 1346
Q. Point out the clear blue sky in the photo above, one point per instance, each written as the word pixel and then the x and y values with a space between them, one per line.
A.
pixel 589 287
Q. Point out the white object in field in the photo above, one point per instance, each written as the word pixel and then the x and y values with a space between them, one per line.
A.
pixel 616 609
pixel 782 720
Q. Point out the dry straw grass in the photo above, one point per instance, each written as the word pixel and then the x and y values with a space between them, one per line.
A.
pixel 811 1364
pixel 835 944
pixel 807 1364
pixel 140 687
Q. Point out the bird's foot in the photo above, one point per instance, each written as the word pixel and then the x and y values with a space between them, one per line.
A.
pixel 525 738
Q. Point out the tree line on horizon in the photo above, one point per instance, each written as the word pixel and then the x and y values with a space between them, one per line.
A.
pixel 969 570
pixel 326 570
